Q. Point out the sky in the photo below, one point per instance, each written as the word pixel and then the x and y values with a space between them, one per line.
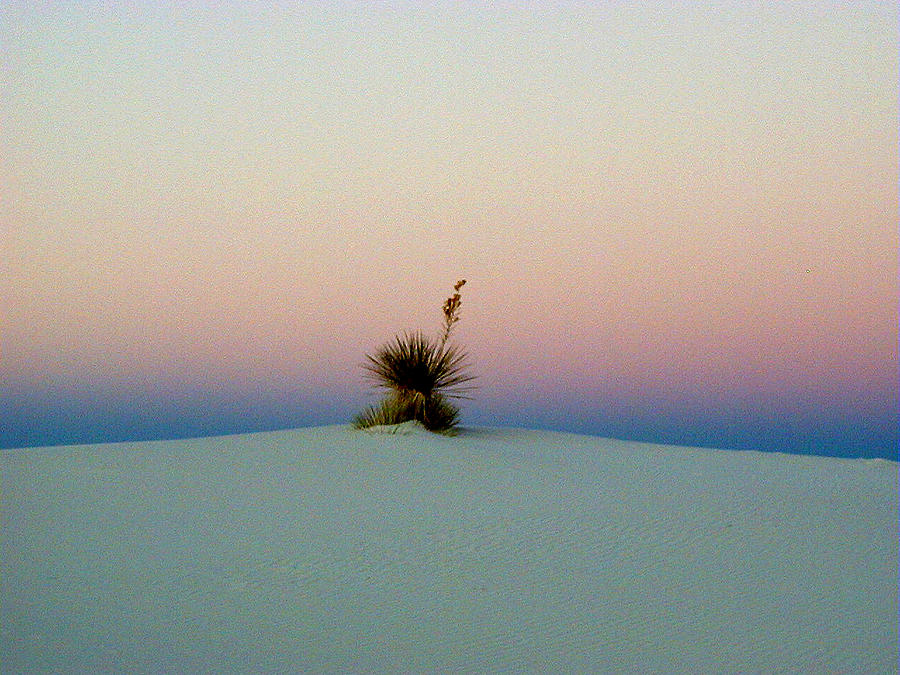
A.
pixel 678 222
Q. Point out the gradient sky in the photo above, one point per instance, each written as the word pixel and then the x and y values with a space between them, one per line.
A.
pixel 679 224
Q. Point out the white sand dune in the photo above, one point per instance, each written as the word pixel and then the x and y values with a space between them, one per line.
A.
pixel 334 550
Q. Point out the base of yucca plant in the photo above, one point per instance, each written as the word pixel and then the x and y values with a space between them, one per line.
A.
pixel 435 413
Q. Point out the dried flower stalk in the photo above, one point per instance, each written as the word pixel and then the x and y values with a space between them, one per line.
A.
pixel 451 311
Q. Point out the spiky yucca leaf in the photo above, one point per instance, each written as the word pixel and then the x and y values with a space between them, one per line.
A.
pixel 414 364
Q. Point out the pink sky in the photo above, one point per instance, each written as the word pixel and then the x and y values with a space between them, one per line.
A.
pixel 687 205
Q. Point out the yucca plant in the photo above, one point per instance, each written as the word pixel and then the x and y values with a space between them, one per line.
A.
pixel 421 374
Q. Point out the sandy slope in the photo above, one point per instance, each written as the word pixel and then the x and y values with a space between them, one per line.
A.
pixel 333 550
